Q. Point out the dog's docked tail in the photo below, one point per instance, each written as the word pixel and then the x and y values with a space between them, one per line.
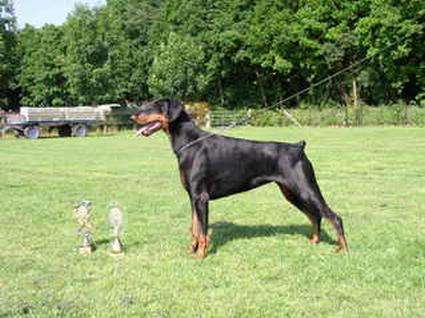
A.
pixel 301 144
pixel 300 150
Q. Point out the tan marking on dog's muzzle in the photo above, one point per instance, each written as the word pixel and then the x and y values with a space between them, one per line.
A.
pixel 146 119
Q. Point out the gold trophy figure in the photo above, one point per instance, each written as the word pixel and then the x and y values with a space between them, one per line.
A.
pixel 82 214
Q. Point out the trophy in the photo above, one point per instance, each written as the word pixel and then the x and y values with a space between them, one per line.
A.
pixel 85 229
pixel 116 224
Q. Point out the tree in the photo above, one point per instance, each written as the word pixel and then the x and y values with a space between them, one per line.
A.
pixel 88 75
pixel 41 77
pixel 8 57
pixel 235 53
pixel 127 27
pixel 394 32
pixel 177 70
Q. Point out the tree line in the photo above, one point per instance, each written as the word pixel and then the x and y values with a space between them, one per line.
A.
pixel 231 53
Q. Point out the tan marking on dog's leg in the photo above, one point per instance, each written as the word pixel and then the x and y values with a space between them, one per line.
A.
pixel 195 240
pixel 203 245
pixel 343 246
pixel 315 233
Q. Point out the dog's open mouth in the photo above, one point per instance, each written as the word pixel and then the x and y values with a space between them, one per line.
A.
pixel 149 128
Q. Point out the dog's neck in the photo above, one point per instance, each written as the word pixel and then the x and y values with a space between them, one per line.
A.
pixel 183 130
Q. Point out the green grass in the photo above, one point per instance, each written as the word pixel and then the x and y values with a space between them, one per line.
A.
pixel 260 264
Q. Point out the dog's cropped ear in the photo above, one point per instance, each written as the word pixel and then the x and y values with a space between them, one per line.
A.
pixel 172 108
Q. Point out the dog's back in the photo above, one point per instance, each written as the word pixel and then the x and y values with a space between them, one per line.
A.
pixel 231 165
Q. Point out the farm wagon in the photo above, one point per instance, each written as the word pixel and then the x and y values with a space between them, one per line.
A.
pixel 69 121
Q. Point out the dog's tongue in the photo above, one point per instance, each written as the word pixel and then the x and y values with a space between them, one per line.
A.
pixel 149 129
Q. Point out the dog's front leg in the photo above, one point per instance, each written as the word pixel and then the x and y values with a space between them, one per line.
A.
pixel 195 240
pixel 201 223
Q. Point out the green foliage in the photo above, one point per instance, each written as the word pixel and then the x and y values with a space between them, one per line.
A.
pixel 230 53
pixel 41 75
pixel 177 70
pixel 8 57
pixel 402 23
pixel 400 114
pixel 86 67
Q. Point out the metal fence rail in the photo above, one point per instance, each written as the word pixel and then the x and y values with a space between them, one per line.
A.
pixel 222 118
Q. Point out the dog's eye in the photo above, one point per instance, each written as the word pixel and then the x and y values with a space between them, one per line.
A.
pixel 150 111
pixel 145 107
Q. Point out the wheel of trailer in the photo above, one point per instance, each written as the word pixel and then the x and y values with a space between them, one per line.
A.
pixel 79 131
pixel 64 131
pixel 32 132
pixel 11 131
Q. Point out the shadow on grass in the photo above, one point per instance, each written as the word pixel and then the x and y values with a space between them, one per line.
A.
pixel 103 241
pixel 224 232
pixel 108 241
pixel 99 243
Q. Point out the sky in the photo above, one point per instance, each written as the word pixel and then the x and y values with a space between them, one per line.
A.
pixel 40 12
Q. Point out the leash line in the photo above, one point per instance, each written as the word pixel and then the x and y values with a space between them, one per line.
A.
pixel 320 82
pixel 299 93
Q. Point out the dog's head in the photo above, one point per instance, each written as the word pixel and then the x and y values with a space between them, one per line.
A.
pixel 157 115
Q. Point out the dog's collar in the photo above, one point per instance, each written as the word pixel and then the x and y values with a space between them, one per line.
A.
pixel 191 143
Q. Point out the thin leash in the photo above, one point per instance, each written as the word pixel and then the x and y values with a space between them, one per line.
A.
pixel 301 92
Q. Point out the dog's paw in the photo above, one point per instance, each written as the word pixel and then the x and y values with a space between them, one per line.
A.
pixel 341 249
pixel 314 240
pixel 192 249
pixel 201 253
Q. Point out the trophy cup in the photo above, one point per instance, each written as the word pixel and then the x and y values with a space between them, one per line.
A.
pixel 116 223
pixel 82 215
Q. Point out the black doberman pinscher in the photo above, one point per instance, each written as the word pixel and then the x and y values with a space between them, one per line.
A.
pixel 214 166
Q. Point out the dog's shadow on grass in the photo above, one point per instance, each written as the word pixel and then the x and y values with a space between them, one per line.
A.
pixel 224 232
pixel 108 241
pixel 98 243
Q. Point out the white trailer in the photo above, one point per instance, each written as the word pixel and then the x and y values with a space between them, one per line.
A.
pixel 70 121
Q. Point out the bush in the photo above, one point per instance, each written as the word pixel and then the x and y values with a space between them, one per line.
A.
pixel 398 114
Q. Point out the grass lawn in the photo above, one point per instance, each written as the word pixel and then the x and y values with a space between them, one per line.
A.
pixel 260 263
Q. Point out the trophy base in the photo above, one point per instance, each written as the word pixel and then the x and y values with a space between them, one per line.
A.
pixel 85 250
pixel 118 256
pixel 117 247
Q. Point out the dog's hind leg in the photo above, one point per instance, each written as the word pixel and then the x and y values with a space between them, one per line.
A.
pixel 300 188
pixel 313 215
pixel 195 233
